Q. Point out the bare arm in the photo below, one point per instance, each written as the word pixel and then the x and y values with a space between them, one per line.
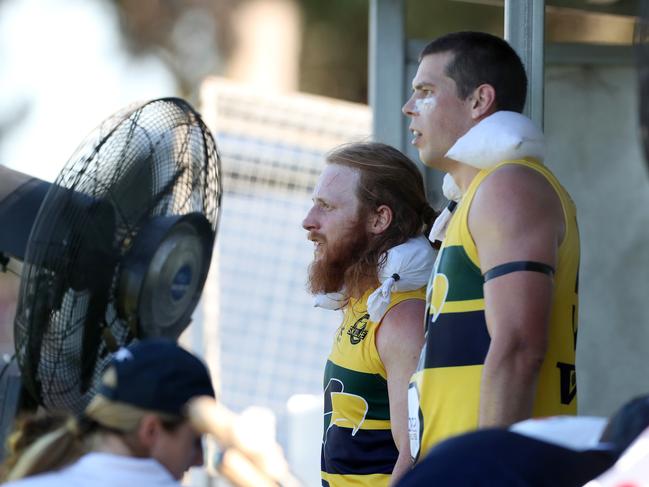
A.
pixel 399 341
pixel 515 216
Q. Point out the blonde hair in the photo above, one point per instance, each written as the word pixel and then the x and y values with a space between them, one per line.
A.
pixel 75 437
pixel 120 416
pixel 52 451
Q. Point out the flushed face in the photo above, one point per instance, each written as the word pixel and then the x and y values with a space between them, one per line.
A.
pixel 336 227
pixel 335 208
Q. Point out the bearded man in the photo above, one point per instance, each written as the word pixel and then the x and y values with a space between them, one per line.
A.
pixel 371 261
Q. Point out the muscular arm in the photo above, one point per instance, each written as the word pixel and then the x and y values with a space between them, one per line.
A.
pixel 515 216
pixel 399 341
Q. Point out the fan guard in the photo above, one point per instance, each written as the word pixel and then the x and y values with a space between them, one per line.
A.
pixel 120 248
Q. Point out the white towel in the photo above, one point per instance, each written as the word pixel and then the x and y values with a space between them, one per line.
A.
pixel 499 137
pixel 407 267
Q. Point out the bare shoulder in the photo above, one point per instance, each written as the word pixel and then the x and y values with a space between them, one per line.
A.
pixel 516 195
pixel 516 214
pixel 402 329
pixel 514 183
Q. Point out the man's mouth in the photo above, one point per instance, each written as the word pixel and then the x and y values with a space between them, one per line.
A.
pixel 416 136
pixel 318 250
pixel 318 243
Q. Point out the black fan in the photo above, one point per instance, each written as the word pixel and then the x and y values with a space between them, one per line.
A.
pixel 120 248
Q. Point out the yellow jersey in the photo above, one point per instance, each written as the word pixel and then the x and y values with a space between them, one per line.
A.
pixel 357 445
pixel 444 393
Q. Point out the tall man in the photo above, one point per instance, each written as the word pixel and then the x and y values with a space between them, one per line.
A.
pixel 502 302
pixel 372 261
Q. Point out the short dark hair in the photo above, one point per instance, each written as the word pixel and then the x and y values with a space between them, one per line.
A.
pixel 387 177
pixel 480 58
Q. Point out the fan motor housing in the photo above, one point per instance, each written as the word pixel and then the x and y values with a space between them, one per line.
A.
pixel 162 276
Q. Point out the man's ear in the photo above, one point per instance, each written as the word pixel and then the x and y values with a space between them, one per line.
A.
pixel 148 430
pixel 380 220
pixel 483 101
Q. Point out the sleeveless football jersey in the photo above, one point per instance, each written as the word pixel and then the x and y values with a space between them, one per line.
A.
pixel 444 393
pixel 357 445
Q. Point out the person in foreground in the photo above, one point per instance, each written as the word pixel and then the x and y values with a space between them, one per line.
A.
pixel 372 261
pixel 549 455
pixel 502 301
pixel 133 432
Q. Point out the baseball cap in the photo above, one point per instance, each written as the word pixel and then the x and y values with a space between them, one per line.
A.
pixel 157 375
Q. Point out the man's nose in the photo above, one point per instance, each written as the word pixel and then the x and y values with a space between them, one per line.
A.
pixel 408 108
pixel 309 222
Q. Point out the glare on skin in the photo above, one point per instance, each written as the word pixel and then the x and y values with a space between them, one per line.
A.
pixel 437 124
pixel 335 207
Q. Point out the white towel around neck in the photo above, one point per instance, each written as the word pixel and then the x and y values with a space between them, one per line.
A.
pixel 407 267
pixel 501 136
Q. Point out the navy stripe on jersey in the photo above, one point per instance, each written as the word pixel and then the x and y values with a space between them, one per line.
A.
pixel 457 339
pixel 367 452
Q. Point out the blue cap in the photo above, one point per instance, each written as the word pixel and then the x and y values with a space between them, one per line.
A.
pixel 158 375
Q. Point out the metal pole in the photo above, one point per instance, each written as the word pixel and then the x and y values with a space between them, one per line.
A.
pixel 524 30
pixel 387 65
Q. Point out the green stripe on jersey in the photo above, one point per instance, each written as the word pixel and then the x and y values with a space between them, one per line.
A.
pixel 464 276
pixel 372 387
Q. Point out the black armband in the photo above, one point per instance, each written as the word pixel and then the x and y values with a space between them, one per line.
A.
pixel 521 265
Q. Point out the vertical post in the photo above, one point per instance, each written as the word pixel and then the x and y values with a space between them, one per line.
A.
pixel 387 67
pixel 524 30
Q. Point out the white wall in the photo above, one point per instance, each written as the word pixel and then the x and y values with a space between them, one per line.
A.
pixel 594 149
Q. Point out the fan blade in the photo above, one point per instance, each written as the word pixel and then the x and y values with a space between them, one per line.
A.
pixel 20 200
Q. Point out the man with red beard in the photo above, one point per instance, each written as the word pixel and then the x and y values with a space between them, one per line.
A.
pixel 371 261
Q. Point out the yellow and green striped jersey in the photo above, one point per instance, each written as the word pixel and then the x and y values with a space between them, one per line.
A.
pixel 444 394
pixel 357 445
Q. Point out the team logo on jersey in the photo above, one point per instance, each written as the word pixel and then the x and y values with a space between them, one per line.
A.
pixel 437 292
pixel 343 409
pixel 339 332
pixel 357 331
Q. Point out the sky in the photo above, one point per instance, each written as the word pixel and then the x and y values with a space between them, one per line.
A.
pixel 62 65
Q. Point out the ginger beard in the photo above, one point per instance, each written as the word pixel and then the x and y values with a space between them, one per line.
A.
pixel 328 271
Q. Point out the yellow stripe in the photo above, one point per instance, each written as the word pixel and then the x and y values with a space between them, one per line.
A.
pixel 463 306
pixel 375 424
pixel 374 480
pixel 368 424
pixel 453 412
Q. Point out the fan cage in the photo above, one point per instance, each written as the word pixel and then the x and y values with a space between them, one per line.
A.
pixel 149 160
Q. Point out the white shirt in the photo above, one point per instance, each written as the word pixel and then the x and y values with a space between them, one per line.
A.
pixel 574 432
pixel 103 469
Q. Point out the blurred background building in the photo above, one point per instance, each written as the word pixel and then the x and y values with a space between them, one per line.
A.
pixel 280 82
